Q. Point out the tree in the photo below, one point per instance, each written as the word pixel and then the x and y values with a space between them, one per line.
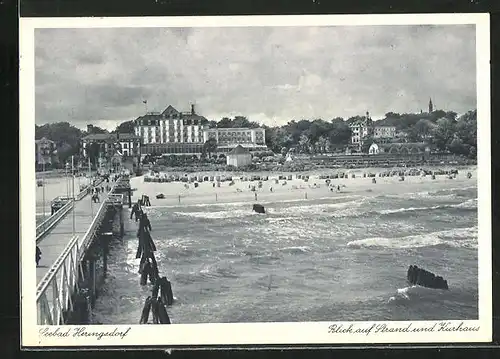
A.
pixel 242 121
pixel 277 138
pixel 367 142
pixel 421 131
pixel 458 147
pixel 212 124
pixel 125 127
pixel 340 134
pixel 317 129
pixel 304 143
pixel 66 137
pixel 436 115
pixel 94 151
pixel 466 128
pixel 322 144
pixel 353 119
pixel 392 115
pixel 210 146
pixel 97 130
pixel 451 115
pixel 473 152
pixel 443 133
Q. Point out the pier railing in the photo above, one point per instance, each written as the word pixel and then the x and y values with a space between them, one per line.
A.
pixel 50 222
pixel 83 193
pixel 94 226
pixel 55 290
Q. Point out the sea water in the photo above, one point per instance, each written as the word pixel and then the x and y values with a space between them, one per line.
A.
pixel 329 259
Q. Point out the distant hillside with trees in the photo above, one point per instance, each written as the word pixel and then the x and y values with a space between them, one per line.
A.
pixel 440 128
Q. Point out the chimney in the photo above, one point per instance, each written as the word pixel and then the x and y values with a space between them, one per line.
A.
pixel 192 109
pixel 90 128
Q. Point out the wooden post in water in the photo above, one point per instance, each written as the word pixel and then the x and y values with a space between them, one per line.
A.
pixel 92 281
pixel 104 241
pixel 122 224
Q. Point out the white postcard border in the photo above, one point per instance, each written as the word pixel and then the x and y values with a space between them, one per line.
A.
pixel 250 333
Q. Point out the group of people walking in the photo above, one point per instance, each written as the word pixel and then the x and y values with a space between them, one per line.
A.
pixel 97 190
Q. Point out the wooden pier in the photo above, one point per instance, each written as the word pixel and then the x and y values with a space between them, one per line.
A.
pixel 74 253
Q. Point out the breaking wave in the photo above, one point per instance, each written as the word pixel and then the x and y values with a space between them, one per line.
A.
pixel 355 208
pixel 469 204
pixel 458 238
pixel 235 213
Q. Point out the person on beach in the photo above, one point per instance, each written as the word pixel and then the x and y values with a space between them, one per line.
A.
pixel 255 195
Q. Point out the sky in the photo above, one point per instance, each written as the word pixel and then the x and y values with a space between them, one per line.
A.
pixel 271 75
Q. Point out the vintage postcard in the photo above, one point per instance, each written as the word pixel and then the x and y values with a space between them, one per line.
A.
pixel 255 180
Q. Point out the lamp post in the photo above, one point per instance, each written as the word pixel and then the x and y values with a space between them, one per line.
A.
pixel 67 179
pixel 91 188
pixel 43 188
pixel 73 190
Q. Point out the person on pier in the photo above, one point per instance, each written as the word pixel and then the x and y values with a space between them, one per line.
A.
pixel 38 255
pixel 135 209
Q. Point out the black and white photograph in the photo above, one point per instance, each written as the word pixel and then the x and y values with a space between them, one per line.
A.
pixel 249 173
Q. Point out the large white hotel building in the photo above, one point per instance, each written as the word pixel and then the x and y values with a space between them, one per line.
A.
pixel 171 131
pixel 174 132
pixel 253 139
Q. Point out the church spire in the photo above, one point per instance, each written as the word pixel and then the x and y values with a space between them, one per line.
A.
pixel 431 107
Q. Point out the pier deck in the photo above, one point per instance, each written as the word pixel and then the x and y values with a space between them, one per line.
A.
pixel 54 242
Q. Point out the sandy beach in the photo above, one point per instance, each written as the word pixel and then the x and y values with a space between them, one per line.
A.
pixel 179 193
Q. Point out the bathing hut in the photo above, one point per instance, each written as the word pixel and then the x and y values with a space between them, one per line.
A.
pixel 238 157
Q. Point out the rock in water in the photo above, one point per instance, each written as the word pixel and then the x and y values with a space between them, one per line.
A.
pixel 259 208
pixel 421 277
